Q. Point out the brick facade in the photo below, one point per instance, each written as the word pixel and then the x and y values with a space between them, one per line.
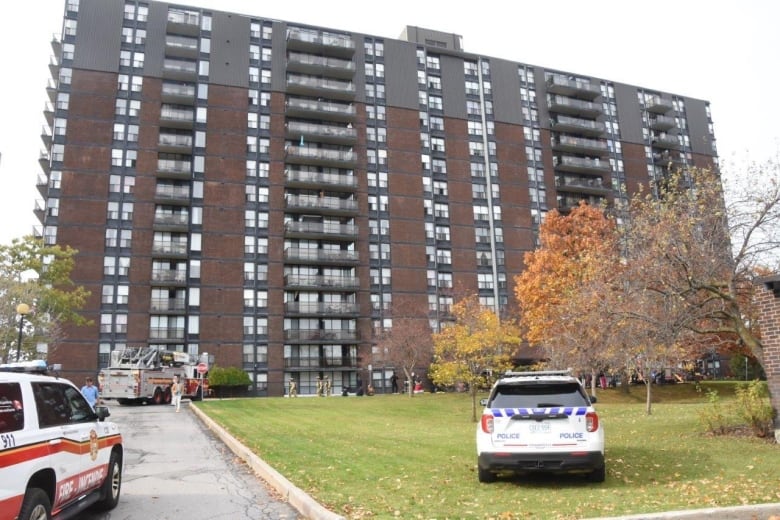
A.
pixel 768 300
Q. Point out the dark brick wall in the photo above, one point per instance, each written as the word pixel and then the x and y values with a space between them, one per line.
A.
pixel 768 301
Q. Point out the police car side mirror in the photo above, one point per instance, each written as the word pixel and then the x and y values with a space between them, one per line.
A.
pixel 593 399
pixel 102 412
pixel 483 402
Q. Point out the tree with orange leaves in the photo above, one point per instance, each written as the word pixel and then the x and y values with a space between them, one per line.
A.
pixel 563 291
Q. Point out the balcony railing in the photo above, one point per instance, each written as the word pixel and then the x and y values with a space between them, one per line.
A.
pixel 330 43
pixel 175 140
pixel 578 125
pixel 321 132
pixel 321 255
pixel 329 336
pixel 318 179
pixel 169 248
pixel 168 304
pixel 322 109
pixel 321 362
pixel 169 276
pixel 308 202
pixel 320 156
pixel 321 308
pixel 581 164
pixel 172 192
pixel 177 91
pixel 315 85
pixel 319 281
pixel 159 333
pixel 312 64
pixel 580 144
pixel 172 219
pixel 321 228
pixel 561 84
pixel 567 105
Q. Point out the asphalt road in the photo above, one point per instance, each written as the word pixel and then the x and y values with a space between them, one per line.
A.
pixel 175 468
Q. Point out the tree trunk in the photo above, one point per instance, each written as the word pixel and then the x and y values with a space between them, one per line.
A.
pixel 473 391
pixel 593 382
pixel 625 382
pixel 649 386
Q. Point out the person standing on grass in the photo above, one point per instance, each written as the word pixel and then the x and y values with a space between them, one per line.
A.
pixel 176 393
pixel 293 388
pixel 394 382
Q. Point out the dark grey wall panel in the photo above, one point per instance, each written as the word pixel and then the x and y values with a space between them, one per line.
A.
pixel 279 51
pixel 229 63
pixel 698 126
pixel 453 86
pixel 155 40
pixel 98 35
pixel 506 92
pixel 629 114
pixel 401 74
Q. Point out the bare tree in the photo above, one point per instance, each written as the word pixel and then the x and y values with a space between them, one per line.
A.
pixel 408 344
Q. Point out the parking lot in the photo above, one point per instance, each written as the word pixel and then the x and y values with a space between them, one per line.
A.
pixel 175 468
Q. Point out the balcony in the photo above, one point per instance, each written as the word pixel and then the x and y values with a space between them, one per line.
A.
pixel 174 249
pixel 663 123
pixel 321 205
pixel 166 333
pixel 177 117
pixel 182 70
pixel 322 308
pixel 174 168
pixel 591 185
pixel 575 107
pixel 320 65
pixel 183 22
pixel 567 203
pixel 54 67
pixel 316 230
pixel 169 277
pixel 321 336
pixel 326 110
pixel 178 93
pixel 576 125
pixel 572 87
pixel 329 283
pixel 51 89
pixel 46 136
pixel 178 221
pixel 174 143
pixel 48 114
pixel 42 184
pixel 300 255
pixel 176 305
pixel 320 156
pixel 316 86
pixel 301 363
pixel 167 193
pixel 181 46
pixel 566 143
pixel 581 164
pixel 658 105
pixel 322 42
pixel 321 133
pixel 666 142
pixel 45 161
pixel 56 44
pixel 318 180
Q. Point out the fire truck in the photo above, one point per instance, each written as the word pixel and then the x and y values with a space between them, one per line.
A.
pixel 138 375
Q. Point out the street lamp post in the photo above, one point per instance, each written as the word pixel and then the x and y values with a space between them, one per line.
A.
pixel 23 310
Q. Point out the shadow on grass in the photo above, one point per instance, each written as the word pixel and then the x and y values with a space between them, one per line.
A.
pixel 626 468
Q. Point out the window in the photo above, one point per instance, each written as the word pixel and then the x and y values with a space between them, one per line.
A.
pixel 11 408
pixel 59 404
pixel 435 103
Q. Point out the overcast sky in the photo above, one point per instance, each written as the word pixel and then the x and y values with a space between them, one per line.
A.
pixel 721 51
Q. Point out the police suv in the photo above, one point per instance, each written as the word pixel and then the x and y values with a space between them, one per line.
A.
pixel 58 456
pixel 539 422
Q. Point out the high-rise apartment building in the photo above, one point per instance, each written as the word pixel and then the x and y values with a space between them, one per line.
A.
pixel 264 191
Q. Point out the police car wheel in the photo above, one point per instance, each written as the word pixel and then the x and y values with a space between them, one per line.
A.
pixel 112 485
pixel 36 505
pixel 598 475
pixel 485 476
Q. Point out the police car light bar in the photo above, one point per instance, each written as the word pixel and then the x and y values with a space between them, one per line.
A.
pixel 37 366
pixel 566 372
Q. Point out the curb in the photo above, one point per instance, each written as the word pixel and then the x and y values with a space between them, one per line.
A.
pixel 306 505
pixel 747 512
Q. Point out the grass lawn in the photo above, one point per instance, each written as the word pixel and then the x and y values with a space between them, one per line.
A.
pixel 391 456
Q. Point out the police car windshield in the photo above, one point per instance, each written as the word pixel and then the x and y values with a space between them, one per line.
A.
pixel 539 395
